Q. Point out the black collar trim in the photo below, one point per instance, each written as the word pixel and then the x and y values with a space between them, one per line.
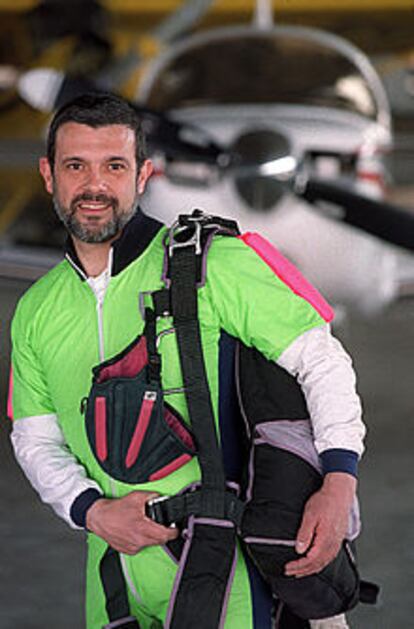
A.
pixel 135 238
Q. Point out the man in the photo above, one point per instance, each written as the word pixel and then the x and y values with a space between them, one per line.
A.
pixel 84 311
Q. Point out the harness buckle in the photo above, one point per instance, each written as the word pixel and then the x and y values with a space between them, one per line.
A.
pixel 195 239
pixel 142 295
pixel 152 511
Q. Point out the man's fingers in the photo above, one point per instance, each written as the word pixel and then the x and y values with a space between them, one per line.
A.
pixel 306 532
pixel 304 563
pixel 321 553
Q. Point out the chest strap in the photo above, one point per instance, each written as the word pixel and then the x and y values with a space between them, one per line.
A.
pixel 168 510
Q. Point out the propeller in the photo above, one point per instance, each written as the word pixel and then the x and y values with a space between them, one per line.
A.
pixel 259 162
pixel 263 170
pixel 383 220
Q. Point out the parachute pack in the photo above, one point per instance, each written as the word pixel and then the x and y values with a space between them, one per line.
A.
pixel 137 436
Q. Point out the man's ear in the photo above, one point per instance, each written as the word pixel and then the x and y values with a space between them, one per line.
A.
pixel 145 173
pixel 46 172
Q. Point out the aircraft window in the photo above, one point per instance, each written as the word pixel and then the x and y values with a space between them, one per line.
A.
pixel 262 69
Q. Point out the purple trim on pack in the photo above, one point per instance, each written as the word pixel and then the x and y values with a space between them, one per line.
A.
pixel 197 484
pixel 269 541
pixel 294 436
pixel 191 487
pixel 238 390
pixel 278 616
pixel 233 485
pixel 181 566
pixel 120 622
pixel 249 489
pixel 228 590
pixel 226 524
pixel 206 248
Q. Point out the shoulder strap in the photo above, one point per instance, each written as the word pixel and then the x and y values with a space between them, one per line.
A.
pixel 188 240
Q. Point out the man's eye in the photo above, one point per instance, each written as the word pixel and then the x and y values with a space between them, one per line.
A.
pixel 74 166
pixel 116 166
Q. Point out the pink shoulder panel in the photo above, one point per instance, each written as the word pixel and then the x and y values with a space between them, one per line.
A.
pixel 10 396
pixel 288 273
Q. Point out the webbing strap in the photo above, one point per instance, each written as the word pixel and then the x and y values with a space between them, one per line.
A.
pixel 197 392
pixel 113 582
pixel 154 360
pixel 200 593
pixel 176 509
pixel 206 574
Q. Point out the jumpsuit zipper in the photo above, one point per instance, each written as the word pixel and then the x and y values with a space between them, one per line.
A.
pixel 99 312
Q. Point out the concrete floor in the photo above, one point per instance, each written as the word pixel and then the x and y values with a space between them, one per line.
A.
pixel 42 561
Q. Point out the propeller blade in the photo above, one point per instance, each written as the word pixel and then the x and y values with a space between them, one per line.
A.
pixel 384 220
pixel 177 139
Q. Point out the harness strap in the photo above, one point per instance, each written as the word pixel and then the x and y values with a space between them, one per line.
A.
pixel 117 605
pixel 154 359
pixel 176 509
pixel 197 392
pixel 205 573
pixel 203 581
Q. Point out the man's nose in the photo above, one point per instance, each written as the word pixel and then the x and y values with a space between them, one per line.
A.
pixel 95 179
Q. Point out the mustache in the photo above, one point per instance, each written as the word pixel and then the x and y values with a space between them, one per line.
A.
pixel 97 198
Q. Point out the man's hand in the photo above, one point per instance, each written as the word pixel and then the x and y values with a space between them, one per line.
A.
pixel 123 524
pixel 324 525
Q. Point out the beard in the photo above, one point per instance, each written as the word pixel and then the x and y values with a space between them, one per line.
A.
pixel 92 231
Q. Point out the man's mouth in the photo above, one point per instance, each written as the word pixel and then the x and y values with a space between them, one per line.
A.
pixel 90 206
pixel 93 205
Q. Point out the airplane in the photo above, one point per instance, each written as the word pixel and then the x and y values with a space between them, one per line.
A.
pixel 270 95
pixel 257 161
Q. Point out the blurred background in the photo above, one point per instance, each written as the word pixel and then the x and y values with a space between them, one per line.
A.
pixel 296 117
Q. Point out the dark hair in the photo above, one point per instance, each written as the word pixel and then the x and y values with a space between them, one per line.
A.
pixel 97 109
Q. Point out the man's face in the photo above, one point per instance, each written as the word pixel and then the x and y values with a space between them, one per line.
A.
pixel 95 184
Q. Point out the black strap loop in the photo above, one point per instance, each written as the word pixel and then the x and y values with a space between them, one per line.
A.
pixel 162 302
pixel 176 509
pixel 113 582
pixel 154 359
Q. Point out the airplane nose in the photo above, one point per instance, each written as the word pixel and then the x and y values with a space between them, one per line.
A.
pixel 256 151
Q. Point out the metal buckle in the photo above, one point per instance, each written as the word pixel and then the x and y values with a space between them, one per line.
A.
pixel 195 239
pixel 150 512
pixel 141 301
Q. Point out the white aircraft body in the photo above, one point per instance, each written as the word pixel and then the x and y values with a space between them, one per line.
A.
pixel 268 95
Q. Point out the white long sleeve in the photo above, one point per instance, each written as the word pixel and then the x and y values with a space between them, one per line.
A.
pixel 54 472
pixel 324 370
